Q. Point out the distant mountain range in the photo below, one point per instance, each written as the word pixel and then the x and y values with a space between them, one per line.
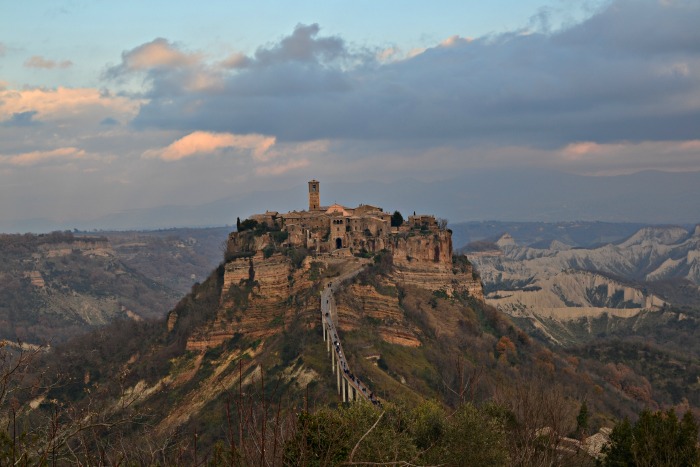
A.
pixel 514 195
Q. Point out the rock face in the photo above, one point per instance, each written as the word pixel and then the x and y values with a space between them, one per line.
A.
pixel 364 302
pixel 268 277
pixel 425 261
pixel 259 298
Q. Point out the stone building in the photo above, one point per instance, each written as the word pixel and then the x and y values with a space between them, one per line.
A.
pixel 326 229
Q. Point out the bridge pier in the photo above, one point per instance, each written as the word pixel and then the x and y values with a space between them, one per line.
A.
pixel 344 383
pixel 333 361
pixel 338 375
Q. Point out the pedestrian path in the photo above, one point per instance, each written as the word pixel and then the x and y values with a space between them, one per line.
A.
pixel 350 387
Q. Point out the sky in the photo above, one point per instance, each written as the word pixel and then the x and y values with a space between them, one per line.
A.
pixel 109 106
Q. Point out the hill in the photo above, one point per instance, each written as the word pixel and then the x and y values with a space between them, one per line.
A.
pixel 56 285
pixel 176 258
pixel 244 352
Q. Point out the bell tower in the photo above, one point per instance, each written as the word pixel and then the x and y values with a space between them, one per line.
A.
pixel 314 196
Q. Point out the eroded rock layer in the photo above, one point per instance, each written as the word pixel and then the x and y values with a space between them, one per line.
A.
pixel 425 261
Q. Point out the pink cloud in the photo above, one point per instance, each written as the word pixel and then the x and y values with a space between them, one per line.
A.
pixel 61 103
pixel 575 150
pixel 202 142
pixel 455 40
pixel 236 60
pixel 39 157
pixel 158 53
pixel 40 62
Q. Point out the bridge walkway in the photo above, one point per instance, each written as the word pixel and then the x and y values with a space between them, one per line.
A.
pixel 350 387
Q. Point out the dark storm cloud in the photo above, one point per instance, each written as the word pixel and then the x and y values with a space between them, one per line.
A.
pixel 629 73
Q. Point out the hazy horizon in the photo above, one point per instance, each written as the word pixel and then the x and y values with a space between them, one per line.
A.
pixel 497 195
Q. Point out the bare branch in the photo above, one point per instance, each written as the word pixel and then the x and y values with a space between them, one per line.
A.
pixel 352 454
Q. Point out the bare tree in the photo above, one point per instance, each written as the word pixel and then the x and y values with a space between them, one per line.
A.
pixel 543 418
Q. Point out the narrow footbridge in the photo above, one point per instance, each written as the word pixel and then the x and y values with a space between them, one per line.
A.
pixel 349 385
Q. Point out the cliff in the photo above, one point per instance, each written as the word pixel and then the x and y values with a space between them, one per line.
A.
pixel 382 310
pixel 259 297
pixel 425 260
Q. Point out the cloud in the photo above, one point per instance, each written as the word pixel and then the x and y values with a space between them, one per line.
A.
pixel 203 143
pixel 109 121
pixel 168 69
pixel 639 27
pixel 64 103
pixel 236 60
pixel 40 157
pixel 528 89
pixel 40 62
pixel 282 168
pixel 303 46
pixel 620 158
pixel 21 119
pixel 159 53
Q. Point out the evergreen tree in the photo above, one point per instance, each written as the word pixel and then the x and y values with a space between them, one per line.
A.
pixel 582 420
pixel 396 219
pixel 657 439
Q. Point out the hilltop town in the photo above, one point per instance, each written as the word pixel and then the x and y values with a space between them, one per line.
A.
pixel 325 229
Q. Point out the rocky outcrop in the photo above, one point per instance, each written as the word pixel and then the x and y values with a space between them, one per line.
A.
pixel 382 310
pixel 259 297
pixel 425 260
pixel 268 278
pixel 263 288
